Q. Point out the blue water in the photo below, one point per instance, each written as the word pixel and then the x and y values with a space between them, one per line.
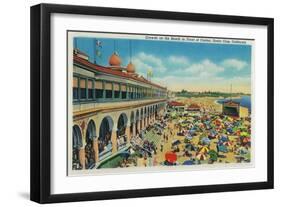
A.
pixel 244 101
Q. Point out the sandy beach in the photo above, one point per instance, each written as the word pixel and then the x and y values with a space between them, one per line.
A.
pixel 211 104
pixel 225 146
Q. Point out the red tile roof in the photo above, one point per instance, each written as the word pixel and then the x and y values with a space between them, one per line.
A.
pixel 175 103
pixel 231 103
pixel 194 106
pixel 77 51
pixel 108 70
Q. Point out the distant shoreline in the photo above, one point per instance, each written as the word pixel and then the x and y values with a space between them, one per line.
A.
pixel 234 98
pixel 187 93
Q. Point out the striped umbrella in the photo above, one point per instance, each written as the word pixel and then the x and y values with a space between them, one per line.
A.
pixel 203 150
pixel 201 156
pixel 228 143
pixel 246 140
pixel 171 157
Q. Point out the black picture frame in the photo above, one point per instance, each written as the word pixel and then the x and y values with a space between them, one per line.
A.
pixel 41 96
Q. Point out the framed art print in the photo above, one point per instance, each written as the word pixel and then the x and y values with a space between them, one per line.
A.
pixel 132 103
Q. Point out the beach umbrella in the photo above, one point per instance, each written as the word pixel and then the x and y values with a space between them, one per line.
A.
pixel 190 147
pixel 201 156
pixel 218 122
pixel 212 134
pixel 188 162
pixel 246 140
pixel 184 124
pixel 213 155
pixel 194 128
pixel 207 126
pixel 229 130
pixel 171 157
pixel 242 151
pixel 247 156
pixel 125 154
pixel 224 138
pixel 201 125
pixel 207 122
pixel 228 143
pixel 244 134
pixel 188 137
pixel 175 142
pixel 238 132
pixel 230 119
pixel 204 150
pixel 242 128
pixel 234 128
pixel 192 132
pixel 205 141
pixel 222 148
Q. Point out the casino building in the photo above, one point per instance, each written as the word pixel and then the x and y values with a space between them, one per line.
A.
pixel 111 104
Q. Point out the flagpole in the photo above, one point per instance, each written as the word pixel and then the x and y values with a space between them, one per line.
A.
pixel 94 42
pixel 130 44
pixel 75 43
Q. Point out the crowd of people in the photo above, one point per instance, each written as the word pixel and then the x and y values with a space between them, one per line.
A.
pixel 191 139
pixel 210 138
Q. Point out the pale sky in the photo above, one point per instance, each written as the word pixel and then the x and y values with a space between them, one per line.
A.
pixel 180 65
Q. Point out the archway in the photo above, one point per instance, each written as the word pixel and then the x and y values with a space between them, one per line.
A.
pixel 89 148
pixel 157 110
pixel 141 119
pixel 121 130
pixel 144 117
pixel 104 140
pixel 148 115
pixel 132 120
pixel 77 144
pixel 137 121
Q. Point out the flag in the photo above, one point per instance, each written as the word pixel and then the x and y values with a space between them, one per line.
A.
pixel 98 43
pixel 98 53
pixel 149 73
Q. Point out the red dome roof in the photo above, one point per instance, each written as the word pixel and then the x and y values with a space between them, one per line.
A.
pixel 131 68
pixel 114 60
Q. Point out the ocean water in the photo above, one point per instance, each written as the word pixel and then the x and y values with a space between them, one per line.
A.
pixel 244 101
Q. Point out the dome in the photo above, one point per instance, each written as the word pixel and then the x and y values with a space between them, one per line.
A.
pixel 131 68
pixel 114 60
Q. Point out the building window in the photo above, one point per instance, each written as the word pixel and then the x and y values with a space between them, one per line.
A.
pixel 131 94
pixel 124 91
pixel 75 88
pixel 116 94
pixel 99 89
pixel 108 90
pixel 90 90
pixel 134 93
pixel 82 88
pixel 145 93
pixel 138 93
pixel 108 94
pixel 116 89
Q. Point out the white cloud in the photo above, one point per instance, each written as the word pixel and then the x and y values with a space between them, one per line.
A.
pixel 234 64
pixel 205 68
pixel 144 61
pixel 178 60
pixel 191 83
pixel 177 73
